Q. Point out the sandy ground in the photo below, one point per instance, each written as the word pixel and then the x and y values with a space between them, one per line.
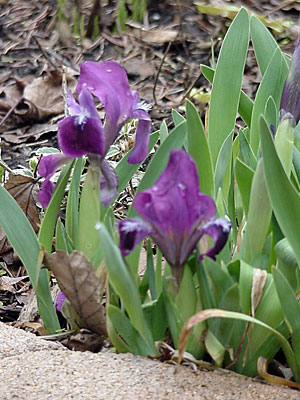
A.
pixel 32 368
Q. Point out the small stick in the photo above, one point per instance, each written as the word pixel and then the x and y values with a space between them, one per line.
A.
pixel 4 119
pixel 43 52
pixel 187 92
pixel 158 72
pixel 6 167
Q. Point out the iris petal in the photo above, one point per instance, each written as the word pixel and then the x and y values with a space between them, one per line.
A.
pixel 219 230
pixel 78 137
pixel 108 183
pixel 48 165
pixel 45 192
pixel 132 231
pixel 108 81
pixel 290 98
pixel 178 214
pixel 142 137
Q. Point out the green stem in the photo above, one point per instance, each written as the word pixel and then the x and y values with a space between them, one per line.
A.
pixel 89 212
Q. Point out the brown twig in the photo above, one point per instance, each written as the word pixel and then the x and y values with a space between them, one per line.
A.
pixel 5 118
pixel 289 3
pixel 188 90
pixel 43 52
pixel 159 70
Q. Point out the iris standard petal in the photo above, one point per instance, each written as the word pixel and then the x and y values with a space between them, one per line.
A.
pixel 290 98
pixel 142 137
pixel 87 103
pixel 78 137
pixel 108 81
pixel 219 230
pixel 132 231
pixel 108 183
pixel 174 204
pixel 73 106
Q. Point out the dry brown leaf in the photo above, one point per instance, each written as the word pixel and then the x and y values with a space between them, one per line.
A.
pixel 84 341
pixel 262 367
pixel 43 97
pixel 139 67
pixel 156 36
pixel 77 279
pixel 258 285
pixel 24 190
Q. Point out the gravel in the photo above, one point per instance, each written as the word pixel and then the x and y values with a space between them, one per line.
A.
pixel 32 368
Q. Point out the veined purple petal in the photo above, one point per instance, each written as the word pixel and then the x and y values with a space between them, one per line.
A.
pixel 45 192
pixel 74 107
pixel 177 215
pixel 174 204
pixel 219 230
pixel 108 183
pixel 61 297
pixel 108 81
pixel 142 137
pixel 132 231
pixel 77 137
pixel 87 104
pixel 290 98
pixel 48 165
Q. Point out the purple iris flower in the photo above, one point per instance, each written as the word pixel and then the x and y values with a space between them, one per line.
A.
pixel 109 83
pixel 48 165
pixel 290 98
pixel 175 214
pixel 82 133
pixel 61 297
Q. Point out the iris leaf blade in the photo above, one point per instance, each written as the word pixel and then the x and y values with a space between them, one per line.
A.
pixel 227 83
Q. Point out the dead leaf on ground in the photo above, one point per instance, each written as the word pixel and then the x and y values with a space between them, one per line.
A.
pixel 84 341
pixel 43 97
pixel 141 68
pixel 156 36
pixel 24 190
pixel 77 279
pixel 37 100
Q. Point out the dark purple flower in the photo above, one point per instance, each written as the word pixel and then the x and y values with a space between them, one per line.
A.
pixel 175 214
pixel 108 81
pixel 290 98
pixel 82 133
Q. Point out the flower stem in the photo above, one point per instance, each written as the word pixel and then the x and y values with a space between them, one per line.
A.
pixel 89 212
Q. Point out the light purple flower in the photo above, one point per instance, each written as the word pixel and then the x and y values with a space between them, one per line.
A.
pixel 175 214
pixel 290 98
pixel 82 133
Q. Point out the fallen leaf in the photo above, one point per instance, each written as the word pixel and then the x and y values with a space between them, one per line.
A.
pixel 77 280
pixel 262 366
pixel 141 68
pixel 156 36
pixel 43 97
pixel 84 341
